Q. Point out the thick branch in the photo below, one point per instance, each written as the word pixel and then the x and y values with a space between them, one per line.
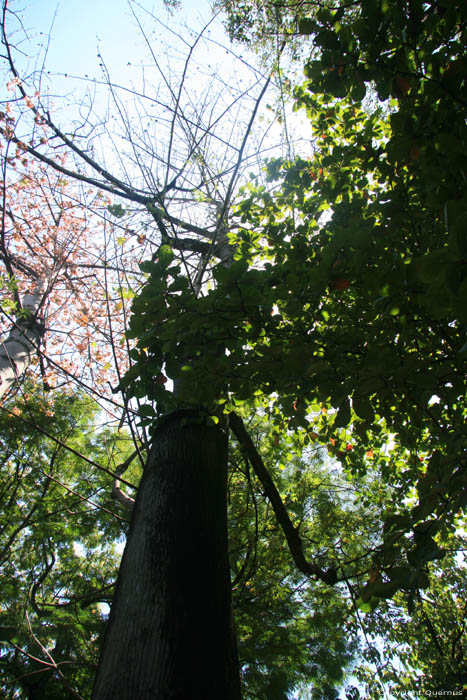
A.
pixel 128 193
pixel 291 533
pixel 117 492
pixel 191 245
pixel 160 214
pixel 17 352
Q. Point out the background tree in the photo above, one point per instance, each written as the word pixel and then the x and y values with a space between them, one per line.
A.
pixel 49 228
pixel 423 651
pixel 59 528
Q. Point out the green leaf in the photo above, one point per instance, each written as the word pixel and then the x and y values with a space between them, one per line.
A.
pixel 367 606
pixel 147 411
pixel 363 409
pixel 116 210
pixel 306 26
pixel 327 39
pixel 7 633
pixel 165 255
pixel 385 589
pixel 343 415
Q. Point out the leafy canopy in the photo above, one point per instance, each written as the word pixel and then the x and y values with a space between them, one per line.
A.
pixel 343 315
pixel 58 535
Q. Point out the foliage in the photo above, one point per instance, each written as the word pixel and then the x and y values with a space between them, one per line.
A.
pixel 58 531
pixel 340 324
pixel 427 650
pixel 251 20
pixel 290 631
pixel 58 559
pixel 265 22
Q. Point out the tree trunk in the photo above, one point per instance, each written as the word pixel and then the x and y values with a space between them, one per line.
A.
pixel 17 351
pixel 170 632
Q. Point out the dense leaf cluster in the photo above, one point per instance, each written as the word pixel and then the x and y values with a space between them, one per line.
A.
pixel 57 545
pixel 345 306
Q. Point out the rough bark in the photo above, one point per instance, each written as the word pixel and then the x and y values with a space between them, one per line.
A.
pixel 17 352
pixel 170 634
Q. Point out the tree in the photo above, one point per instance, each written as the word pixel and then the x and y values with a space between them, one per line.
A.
pixel 369 323
pixel 25 336
pixel 66 297
pixel 58 529
pixel 155 205
pixel 424 651
pixel 320 312
pixel 60 563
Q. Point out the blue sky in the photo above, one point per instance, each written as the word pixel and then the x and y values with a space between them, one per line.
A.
pixel 79 27
pixel 69 43
pixel 80 30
